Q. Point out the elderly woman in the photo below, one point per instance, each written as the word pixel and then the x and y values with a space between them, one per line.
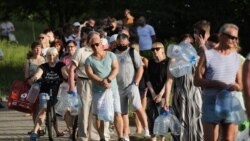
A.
pixel 214 76
pixel 34 59
pixel 156 84
pixel 51 75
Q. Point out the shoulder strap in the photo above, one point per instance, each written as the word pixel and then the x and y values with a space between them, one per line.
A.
pixel 132 55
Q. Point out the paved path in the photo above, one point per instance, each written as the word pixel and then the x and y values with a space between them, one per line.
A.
pixel 15 125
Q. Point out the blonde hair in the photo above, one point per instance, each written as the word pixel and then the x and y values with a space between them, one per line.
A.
pixel 160 45
pixel 46 40
pixel 227 26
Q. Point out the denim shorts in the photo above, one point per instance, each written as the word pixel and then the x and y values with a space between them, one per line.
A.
pixel 208 110
pixel 43 97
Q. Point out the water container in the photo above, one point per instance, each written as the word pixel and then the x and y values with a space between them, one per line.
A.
pixel 33 93
pixel 62 104
pixel 174 51
pixel 75 103
pixel 188 52
pixel 105 107
pixel 175 125
pixel 223 103
pixel 244 125
pixel 180 68
pixel 63 88
pixel 161 124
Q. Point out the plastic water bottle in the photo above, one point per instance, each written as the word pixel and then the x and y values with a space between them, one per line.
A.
pixel 244 125
pixel 33 93
pixel 74 103
pixel 188 52
pixel 62 104
pixel 180 68
pixel 175 125
pixel 161 124
pixel 223 103
pixel 174 51
pixel 63 88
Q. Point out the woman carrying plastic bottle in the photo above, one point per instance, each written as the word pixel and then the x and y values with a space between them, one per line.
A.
pixel 71 46
pixel 218 70
pixel 186 99
pixel 51 74
pixel 156 85
pixel 34 59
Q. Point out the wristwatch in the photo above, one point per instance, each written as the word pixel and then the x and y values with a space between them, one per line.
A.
pixel 136 83
pixel 109 81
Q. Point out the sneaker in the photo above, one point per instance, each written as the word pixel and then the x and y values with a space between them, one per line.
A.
pixel 126 139
pixel 33 136
pixel 146 133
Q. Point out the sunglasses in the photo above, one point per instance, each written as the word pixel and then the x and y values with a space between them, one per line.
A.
pixel 230 36
pixel 95 45
pixel 41 37
pixel 157 49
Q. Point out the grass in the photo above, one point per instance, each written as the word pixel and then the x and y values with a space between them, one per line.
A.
pixel 11 66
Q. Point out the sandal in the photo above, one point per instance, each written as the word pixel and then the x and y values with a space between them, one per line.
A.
pixel 59 134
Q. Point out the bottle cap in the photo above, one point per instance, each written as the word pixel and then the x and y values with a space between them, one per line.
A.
pixel 72 93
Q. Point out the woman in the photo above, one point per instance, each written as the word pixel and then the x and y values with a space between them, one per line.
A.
pixel 58 44
pixel 34 59
pixel 44 40
pixel 156 81
pixel 71 47
pixel 186 104
pixel 51 75
pixel 218 69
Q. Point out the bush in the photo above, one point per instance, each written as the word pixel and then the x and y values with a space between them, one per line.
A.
pixel 11 66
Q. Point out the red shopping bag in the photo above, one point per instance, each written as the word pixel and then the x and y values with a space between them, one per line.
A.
pixel 18 97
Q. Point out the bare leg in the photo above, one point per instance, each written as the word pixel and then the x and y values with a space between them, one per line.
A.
pixel 137 124
pixel 142 117
pixel 229 131
pixel 69 121
pixel 39 120
pixel 100 128
pixel 211 132
pixel 125 125
pixel 119 125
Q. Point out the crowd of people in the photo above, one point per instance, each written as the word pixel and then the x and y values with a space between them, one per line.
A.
pixel 125 57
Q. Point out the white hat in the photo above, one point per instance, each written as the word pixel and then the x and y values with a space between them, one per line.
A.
pixel 76 24
pixel 113 38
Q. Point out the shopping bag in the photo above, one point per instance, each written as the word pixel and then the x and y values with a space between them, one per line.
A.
pixel 105 107
pixel 18 97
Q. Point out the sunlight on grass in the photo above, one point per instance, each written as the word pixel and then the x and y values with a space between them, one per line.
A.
pixel 11 66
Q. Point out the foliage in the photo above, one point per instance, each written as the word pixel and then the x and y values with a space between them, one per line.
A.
pixel 11 66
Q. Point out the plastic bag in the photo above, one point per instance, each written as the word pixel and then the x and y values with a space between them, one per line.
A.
pixel 105 108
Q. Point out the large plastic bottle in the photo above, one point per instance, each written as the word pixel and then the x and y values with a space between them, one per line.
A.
pixel 175 125
pixel 180 68
pixel 63 89
pixel 74 103
pixel 174 51
pixel 244 125
pixel 161 124
pixel 223 103
pixel 33 93
pixel 188 52
pixel 62 104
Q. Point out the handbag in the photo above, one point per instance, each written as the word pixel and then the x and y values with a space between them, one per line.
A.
pixel 18 97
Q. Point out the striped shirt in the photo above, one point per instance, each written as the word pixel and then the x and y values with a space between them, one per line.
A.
pixel 222 67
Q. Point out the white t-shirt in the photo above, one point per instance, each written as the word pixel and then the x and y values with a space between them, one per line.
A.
pixel 144 34
pixel 6 28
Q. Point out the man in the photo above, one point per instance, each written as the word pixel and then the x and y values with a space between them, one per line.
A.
pixel 128 80
pixel 84 86
pixel 201 34
pixel 102 68
pixel 146 34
